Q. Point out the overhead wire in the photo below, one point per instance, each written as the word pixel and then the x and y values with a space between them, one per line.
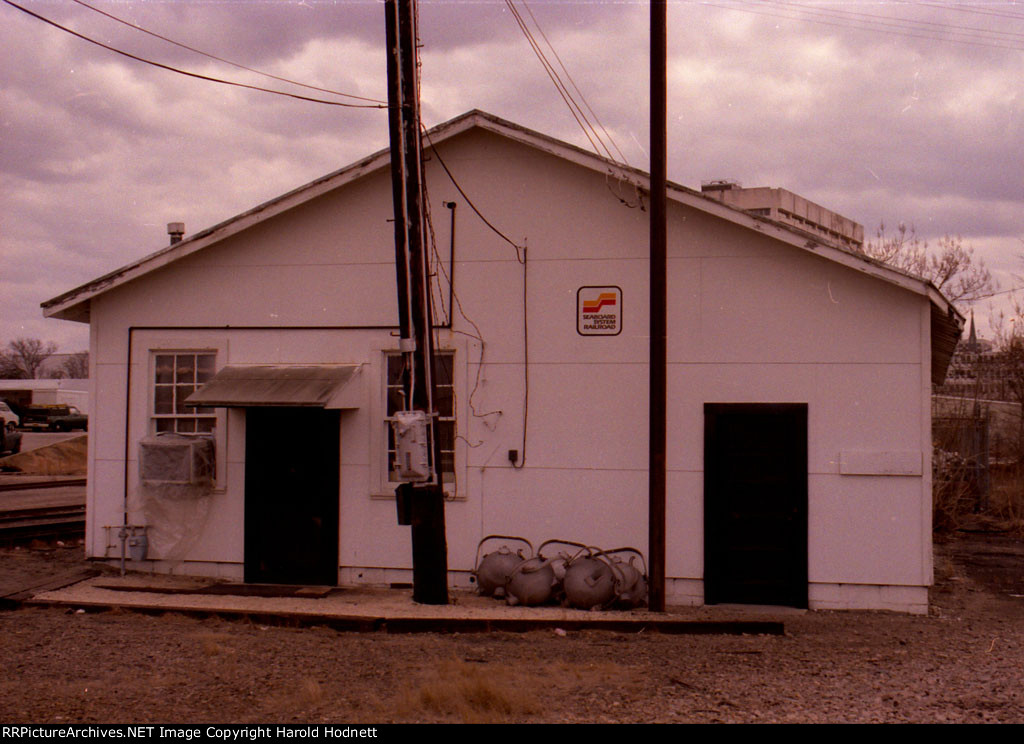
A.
pixel 568 75
pixel 579 109
pixel 908 23
pixel 188 73
pixel 794 14
pixel 577 114
pixel 958 7
pixel 455 297
pixel 576 108
pixel 521 252
pixel 469 201
pixel 240 66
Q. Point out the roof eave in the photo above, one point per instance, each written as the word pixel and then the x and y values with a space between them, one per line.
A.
pixel 690 197
pixel 73 305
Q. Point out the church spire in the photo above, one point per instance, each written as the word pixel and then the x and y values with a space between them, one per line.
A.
pixel 972 338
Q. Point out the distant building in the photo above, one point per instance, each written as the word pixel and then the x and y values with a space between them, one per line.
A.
pixel 46 392
pixel 788 208
pixel 977 370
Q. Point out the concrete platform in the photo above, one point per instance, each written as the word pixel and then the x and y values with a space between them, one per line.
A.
pixel 391 610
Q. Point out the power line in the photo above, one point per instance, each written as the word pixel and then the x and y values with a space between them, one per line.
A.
pixel 556 81
pixel 571 80
pixel 976 11
pixel 866 25
pixel 137 27
pixel 469 201
pixel 521 252
pixel 575 108
pixel 907 23
pixel 187 73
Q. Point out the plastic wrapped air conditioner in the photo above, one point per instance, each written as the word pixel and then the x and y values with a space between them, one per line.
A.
pixel 168 459
pixel 176 480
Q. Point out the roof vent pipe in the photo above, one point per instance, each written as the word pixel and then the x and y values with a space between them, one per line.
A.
pixel 176 230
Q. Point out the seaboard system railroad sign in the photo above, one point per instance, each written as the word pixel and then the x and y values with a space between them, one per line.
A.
pixel 599 311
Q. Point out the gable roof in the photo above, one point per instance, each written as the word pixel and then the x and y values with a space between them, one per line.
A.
pixel 947 322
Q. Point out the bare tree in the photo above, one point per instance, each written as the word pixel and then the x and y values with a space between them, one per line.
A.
pixel 23 358
pixel 76 366
pixel 950 266
pixel 1008 333
pixel 7 370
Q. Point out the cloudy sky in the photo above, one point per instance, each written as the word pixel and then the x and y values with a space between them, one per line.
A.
pixel 883 111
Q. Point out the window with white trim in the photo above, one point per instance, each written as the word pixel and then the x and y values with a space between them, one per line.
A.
pixel 444 399
pixel 176 375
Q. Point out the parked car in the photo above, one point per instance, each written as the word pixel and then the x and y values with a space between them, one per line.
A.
pixel 73 419
pixel 10 441
pixel 58 417
pixel 11 420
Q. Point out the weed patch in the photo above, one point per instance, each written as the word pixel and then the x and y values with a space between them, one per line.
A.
pixel 472 693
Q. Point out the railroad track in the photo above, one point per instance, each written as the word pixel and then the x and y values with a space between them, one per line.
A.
pixel 42 522
pixel 47 522
pixel 33 485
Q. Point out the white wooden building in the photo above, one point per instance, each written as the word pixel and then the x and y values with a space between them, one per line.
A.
pixel 799 379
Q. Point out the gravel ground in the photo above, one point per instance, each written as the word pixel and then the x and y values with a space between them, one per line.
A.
pixel 962 663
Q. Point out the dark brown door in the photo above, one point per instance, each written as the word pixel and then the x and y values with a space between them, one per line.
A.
pixel 755 503
pixel 291 495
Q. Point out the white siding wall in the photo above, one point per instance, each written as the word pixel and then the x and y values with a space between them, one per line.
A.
pixel 751 320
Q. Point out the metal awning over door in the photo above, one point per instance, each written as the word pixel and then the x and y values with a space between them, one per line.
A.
pixel 316 386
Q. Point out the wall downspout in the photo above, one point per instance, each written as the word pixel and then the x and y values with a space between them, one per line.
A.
pixel 451 266
pixel 123 534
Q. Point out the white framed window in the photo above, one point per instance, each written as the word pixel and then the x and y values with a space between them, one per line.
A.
pixel 444 426
pixel 167 364
pixel 176 375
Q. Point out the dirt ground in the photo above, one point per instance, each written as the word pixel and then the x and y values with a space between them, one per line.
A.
pixel 962 663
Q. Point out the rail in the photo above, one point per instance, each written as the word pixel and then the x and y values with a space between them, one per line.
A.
pixel 31 486
pixel 54 521
pixel 40 523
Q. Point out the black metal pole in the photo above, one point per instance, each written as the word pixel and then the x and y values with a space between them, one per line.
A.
pixel 658 302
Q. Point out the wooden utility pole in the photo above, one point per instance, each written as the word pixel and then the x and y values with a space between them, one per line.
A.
pixel 658 304
pixel 426 500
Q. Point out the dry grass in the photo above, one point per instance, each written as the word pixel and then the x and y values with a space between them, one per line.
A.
pixel 480 691
pixel 1006 500
pixel 472 693
pixel 945 569
pixel 952 501
pixel 302 698
pixel 956 506
pixel 309 692
pixel 214 644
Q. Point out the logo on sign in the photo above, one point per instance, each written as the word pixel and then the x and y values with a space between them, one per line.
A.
pixel 599 311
